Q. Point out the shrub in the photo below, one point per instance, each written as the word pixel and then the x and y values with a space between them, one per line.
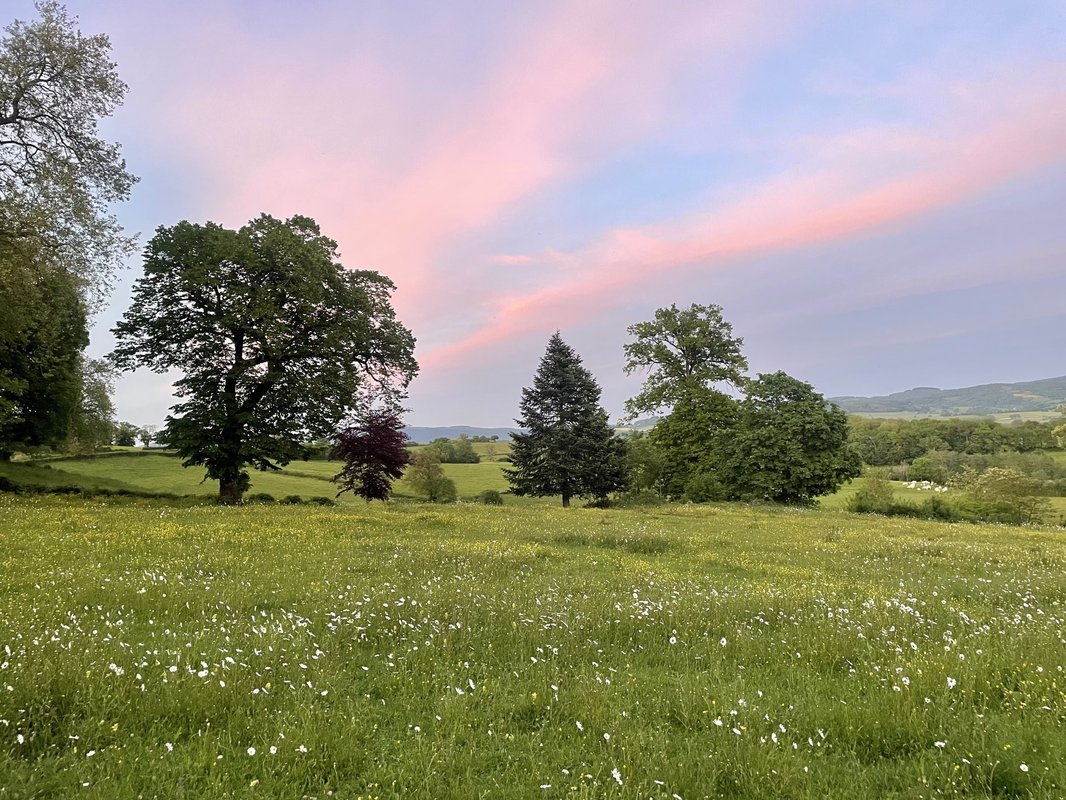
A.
pixel 260 497
pixel 874 496
pixel 490 497
pixel 638 498
pixel 319 500
pixel 291 500
pixel 441 489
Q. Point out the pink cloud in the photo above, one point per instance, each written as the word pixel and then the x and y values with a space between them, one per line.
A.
pixel 399 186
pixel 881 178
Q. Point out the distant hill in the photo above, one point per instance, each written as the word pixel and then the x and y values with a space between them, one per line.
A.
pixel 421 435
pixel 990 398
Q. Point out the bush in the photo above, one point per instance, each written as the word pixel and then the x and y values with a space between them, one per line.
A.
pixel 260 497
pixel 319 500
pixel 490 497
pixel 638 498
pixel 875 496
pixel 704 487
pixel 292 500
pixel 441 489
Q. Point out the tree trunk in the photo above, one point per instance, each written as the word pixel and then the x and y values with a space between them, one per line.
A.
pixel 566 499
pixel 229 492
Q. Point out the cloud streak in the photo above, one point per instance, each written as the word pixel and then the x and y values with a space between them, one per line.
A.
pixel 800 209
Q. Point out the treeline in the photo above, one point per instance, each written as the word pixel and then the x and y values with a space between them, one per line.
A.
pixel 887 442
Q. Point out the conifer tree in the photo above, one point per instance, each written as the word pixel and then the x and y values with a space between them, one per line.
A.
pixel 567 448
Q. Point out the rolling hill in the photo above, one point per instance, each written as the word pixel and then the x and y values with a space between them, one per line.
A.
pixel 990 398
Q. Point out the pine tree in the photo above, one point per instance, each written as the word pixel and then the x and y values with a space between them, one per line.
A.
pixel 568 448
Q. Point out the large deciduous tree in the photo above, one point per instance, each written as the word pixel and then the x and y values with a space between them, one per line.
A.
pixel 58 177
pixel 682 351
pixel 687 354
pixel 59 243
pixel 374 451
pixel 567 448
pixel 789 445
pixel 277 341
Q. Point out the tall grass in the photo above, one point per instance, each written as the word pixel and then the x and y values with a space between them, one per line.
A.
pixel 414 651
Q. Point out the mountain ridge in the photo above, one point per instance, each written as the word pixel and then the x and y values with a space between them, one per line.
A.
pixel 1045 394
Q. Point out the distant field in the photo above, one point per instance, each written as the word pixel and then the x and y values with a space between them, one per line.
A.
pixel 488 451
pixel 404 650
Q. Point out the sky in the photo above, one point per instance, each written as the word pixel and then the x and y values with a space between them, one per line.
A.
pixel 874 192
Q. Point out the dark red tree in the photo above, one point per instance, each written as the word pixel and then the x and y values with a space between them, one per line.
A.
pixel 374 451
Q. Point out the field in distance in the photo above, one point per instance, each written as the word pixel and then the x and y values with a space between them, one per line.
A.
pixel 408 650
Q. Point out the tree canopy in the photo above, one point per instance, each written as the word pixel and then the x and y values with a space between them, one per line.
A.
pixel 58 177
pixel 374 451
pixel 682 350
pixel 59 243
pixel 568 448
pixel 277 341
pixel 789 444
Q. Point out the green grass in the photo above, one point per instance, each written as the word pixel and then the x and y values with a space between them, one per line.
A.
pixel 405 650
pixel 839 500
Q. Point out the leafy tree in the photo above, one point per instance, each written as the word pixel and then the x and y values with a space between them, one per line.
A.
pixel 374 451
pixel 569 448
pixel 789 446
pixel 57 176
pixel 277 341
pixel 682 351
pixel 692 440
pixel 1000 494
pixel 41 369
pixel 93 425
pixel 58 242
pixel 126 434
pixel 147 435
pixel 455 451
pixel 425 476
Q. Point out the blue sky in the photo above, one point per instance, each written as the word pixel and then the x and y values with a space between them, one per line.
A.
pixel 873 192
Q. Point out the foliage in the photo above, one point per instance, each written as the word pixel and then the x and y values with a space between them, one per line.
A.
pixel 147 435
pixel 57 176
pixel 885 442
pixel 1000 495
pixel 41 367
pixel 644 463
pixel 875 496
pixel 126 434
pixel 692 441
pixel 276 340
pixel 568 449
pixel 456 451
pixel 789 446
pixel 374 451
pixel 425 476
pixel 93 426
pixel 490 497
pixel 682 351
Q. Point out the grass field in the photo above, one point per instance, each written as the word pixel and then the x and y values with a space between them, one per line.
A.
pixel 154 472
pixel 413 651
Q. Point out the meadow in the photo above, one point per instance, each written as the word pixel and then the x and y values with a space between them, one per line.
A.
pixel 406 650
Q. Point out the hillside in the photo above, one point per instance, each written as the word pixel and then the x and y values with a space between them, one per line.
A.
pixel 991 398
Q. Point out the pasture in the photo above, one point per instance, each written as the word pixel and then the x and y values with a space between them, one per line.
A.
pixel 405 650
